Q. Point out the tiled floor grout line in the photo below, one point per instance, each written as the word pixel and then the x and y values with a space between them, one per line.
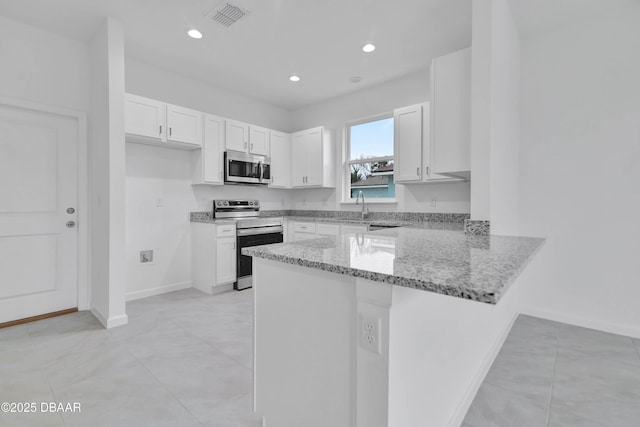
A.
pixel 163 385
pixel 553 376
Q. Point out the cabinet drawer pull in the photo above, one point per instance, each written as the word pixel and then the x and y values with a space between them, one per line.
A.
pixel 418 170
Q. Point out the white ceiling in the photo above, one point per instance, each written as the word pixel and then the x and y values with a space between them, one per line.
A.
pixel 320 40
pixel 317 39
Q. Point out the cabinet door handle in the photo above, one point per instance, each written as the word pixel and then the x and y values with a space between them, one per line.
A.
pixel 418 170
pixel 245 144
pixel 427 170
pixel 160 130
pixel 252 146
pixel 234 245
pixel 170 130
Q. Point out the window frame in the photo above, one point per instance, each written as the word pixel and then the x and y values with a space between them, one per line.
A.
pixel 346 162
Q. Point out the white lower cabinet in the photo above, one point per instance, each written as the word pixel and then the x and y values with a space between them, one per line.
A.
pixel 304 230
pixel 225 260
pixel 323 230
pixel 213 260
pixel 351 228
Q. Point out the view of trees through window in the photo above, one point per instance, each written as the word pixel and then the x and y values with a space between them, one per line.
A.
pixel 371 159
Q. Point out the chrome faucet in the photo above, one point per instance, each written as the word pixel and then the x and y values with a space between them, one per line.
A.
pixel 363 214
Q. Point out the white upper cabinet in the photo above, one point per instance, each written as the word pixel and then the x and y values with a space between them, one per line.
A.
pixel 315 163
pixel 207 164
pixel 247 138
pixel 237 136
pixel 280 160
pixel 451 113
pixel 407 139
pixel 144 117
pixel 413 147
pixel 259 140
pixel 184 125
pixel 312 158
pixel 153 122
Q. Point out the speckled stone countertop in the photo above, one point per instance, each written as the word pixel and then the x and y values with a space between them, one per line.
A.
pixel 435 223
pixel 479 268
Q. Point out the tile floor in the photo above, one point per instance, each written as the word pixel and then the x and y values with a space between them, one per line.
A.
pixel 185 359
pixel 557 375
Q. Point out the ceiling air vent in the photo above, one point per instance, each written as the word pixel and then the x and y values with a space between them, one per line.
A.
pixel 227 14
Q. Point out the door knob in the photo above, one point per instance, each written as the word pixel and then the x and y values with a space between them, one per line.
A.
pixel 70 211
pixel 71 224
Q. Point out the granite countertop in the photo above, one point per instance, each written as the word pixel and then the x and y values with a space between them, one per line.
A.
pixel 476 267
pixel 207 217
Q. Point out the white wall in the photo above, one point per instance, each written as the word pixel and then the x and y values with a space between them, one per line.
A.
pixel 158 173
pixel 156 83
pixel 505 120
pixel 495 116
pixel 333 113
pixel 580 170
pixel 43 67
pixel 107 164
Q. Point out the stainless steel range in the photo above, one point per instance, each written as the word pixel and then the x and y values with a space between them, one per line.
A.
pixel 251 231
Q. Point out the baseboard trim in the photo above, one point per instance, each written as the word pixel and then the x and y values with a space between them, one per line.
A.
pixel 131 296
pixel 38 317
pixel 112 322
pixel 614 328
pixel 465 404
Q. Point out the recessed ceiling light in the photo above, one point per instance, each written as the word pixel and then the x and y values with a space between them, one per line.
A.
pixel 294 78
pixel 368 48
pixel 195 34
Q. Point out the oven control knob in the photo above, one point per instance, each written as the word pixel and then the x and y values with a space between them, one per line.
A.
pixel 226 203
pixel 251 203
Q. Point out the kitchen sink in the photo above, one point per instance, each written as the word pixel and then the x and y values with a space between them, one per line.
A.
pixel 374 227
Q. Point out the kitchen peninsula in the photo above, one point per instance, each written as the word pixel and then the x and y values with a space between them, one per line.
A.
pixel 387 328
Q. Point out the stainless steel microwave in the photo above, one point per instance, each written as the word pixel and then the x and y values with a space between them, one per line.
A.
pixel 242 168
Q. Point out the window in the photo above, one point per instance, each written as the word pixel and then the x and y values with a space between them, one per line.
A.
pixel 370 159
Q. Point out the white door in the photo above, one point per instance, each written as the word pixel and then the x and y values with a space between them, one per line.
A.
pixel 38 191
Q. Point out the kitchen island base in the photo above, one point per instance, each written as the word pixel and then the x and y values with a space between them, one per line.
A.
pixel 338 350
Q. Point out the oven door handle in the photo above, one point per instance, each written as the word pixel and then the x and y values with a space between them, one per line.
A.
pixel 259 230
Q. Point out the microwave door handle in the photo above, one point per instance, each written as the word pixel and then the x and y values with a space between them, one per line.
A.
pixel 261 169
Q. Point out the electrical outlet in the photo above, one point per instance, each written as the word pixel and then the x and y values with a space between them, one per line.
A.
pixel 146 257
pixel 370 333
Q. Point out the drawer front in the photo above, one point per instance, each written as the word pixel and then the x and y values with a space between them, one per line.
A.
pixel 327 229
pixel 225 231
pixel 304 227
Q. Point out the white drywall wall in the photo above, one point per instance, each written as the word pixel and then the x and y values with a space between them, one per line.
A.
pixel 579 170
